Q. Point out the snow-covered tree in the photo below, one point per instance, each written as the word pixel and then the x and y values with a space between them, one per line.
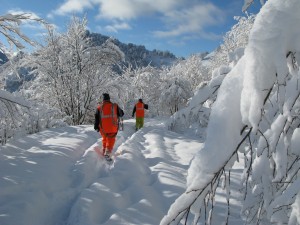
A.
pixel 145 83
pixel 257 114
pixel 74 74
pixel 196 115
pixel 175 92
pixel 10 30
pixel 11 110
pixel 192 69
pixel 236 38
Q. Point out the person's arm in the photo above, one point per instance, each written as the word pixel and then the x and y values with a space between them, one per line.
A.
pixel 96 124
pixel 120 112
pixel 145 106
pixel 133 112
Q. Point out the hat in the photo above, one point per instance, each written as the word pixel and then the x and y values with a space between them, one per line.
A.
pixel 106 96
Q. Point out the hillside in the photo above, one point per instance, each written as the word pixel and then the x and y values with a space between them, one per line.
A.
pixel 137 55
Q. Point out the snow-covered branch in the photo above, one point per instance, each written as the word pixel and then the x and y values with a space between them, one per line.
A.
pixel 261 92
pixel 9 28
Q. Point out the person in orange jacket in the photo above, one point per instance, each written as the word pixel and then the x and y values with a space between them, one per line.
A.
pixel 139 109
pixel 106 122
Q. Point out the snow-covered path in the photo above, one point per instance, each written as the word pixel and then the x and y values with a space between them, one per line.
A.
pixel 145 179
pixel 56 178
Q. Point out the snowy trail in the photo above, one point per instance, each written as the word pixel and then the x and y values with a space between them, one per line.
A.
pixel 145 179
pixel 35 188
pixel 56 178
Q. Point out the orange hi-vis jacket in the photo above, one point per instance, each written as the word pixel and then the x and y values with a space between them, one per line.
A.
pixel 108 117
pixel 140 111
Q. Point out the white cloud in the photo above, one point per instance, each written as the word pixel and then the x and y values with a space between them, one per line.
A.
pixel 131 9
pixel 119 9
pixel 191 20
pixel 118 26
pixel 71 6
pixel 180 16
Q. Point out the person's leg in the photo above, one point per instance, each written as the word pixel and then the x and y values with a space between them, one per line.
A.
pixel 111 139
pixel 136 123
pixel 142 122
pixel 104 142
pixel 139 122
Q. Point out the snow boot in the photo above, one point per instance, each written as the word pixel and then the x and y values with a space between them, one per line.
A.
pixel 107 156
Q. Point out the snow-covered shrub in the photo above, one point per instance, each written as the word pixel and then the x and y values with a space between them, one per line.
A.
pixel 175 92
pixel 196 115
pixel 234 42
pixel 197 112
pixel 256 112
pixel 192 69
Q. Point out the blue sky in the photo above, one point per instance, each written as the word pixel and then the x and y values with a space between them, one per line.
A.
pixel 182 27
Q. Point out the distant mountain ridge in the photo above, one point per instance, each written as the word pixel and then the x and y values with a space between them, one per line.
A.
pixel 137 55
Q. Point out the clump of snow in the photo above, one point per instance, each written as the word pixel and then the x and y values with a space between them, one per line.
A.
pixel 269 43
pixel 295 142
pixel 295 214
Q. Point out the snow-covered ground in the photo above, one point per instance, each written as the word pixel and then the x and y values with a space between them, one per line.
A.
pixel 55 177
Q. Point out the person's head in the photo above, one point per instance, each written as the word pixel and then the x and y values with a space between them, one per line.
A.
pixel 105 97
pixel 140 100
